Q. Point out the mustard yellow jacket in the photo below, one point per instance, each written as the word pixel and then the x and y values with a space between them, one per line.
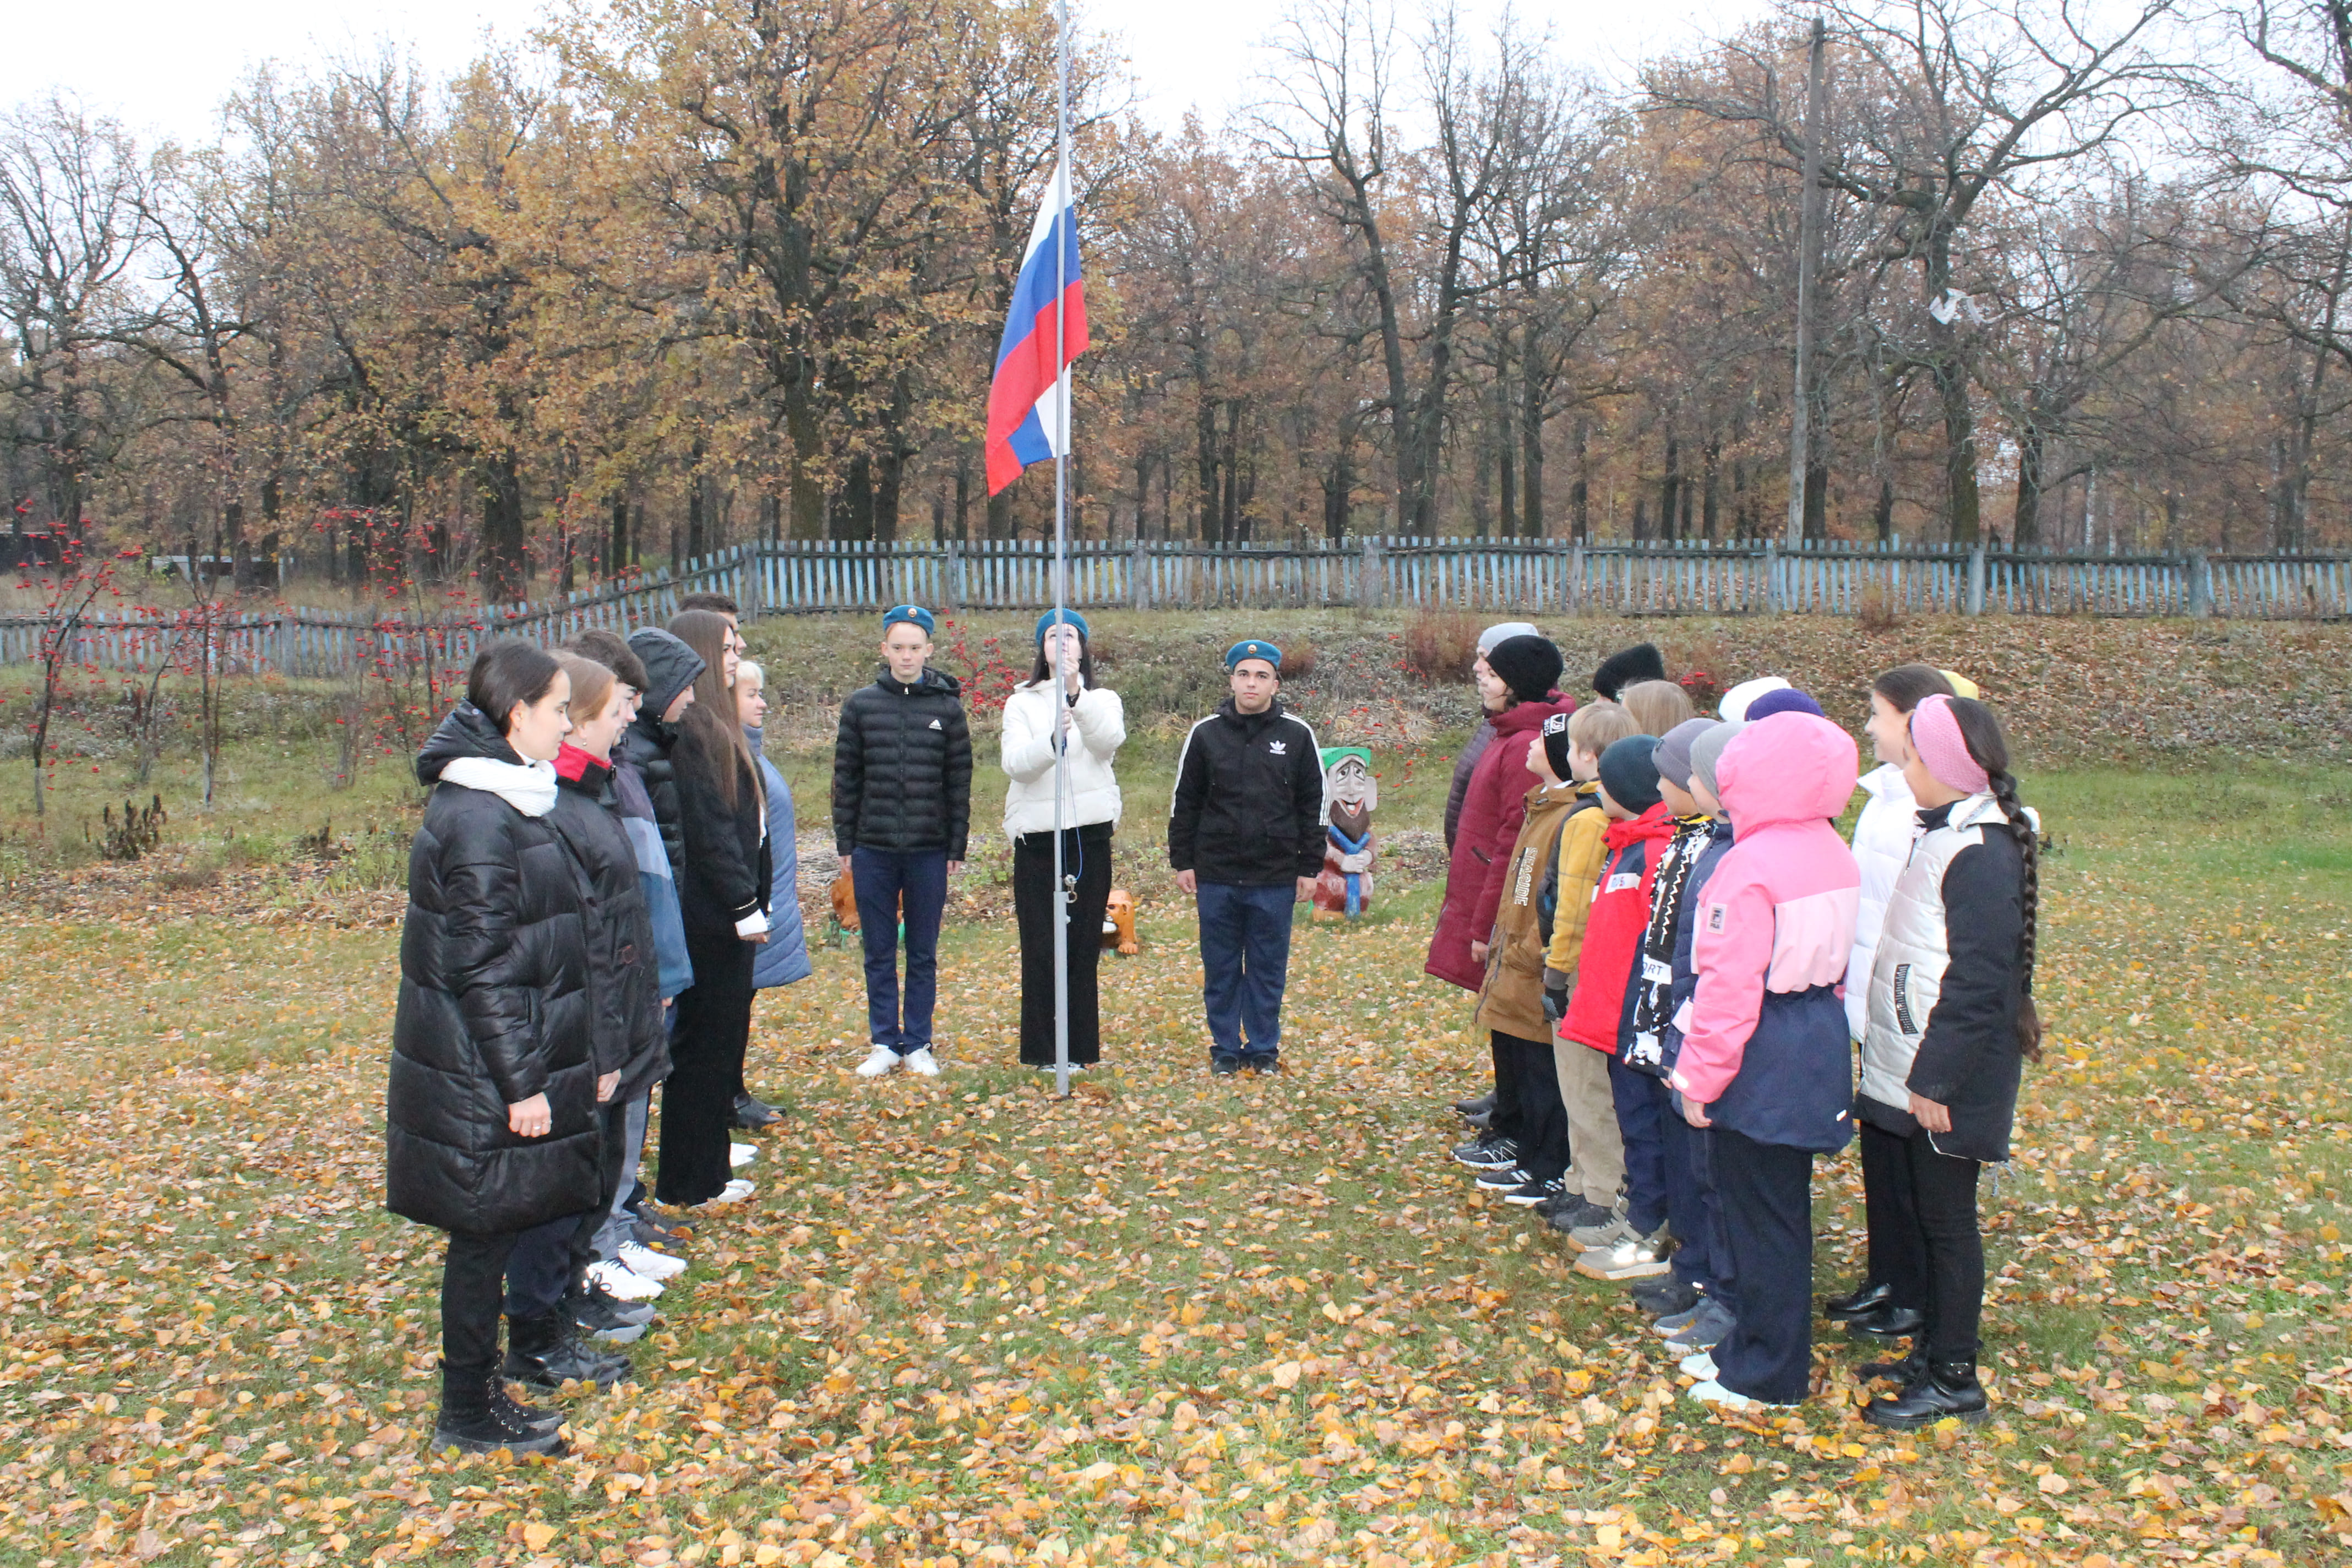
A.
pixel 1582 852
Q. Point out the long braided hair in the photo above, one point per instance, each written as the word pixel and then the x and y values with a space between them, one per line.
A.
pixel 1986 742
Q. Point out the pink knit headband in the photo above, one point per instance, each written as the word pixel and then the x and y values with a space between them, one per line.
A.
pixel 1936 736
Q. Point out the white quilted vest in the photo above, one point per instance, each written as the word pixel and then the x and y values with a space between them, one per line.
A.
pixel 1908 975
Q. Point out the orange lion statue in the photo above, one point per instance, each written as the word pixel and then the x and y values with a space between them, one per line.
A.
pixel 1118 923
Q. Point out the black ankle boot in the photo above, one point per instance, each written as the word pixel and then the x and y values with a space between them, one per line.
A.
pixel 1912 1366
pixel 504 1402
pixel 1885 1321
pixel 546 1352
pixel 1942 1388
pixel 472 1421
pixel 1860 1301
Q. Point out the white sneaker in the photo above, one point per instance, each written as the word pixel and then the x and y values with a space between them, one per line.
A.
pixel 1699 1365
pixel 881 1060
pixel 741 1154
pixel 619 1280
pixel 1714 1393
pixel 735 1192
pixel 923 1062
pixel 644 1261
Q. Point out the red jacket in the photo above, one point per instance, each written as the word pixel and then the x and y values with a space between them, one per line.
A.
pixel 1612 933
pixel 1492 809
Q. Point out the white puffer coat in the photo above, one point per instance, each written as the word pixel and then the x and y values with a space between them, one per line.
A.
pixel 1882 842
pixel 1097 730
pixel 1944 1000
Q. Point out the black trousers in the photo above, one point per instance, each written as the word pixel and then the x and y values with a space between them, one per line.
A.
pixel 1938 1261
pixel 1891 1221
pixel 473 1291
pixel 1766 1190
pixel 1538 1117
pixel 1086 855
pixel 549 1259
pixel 1507 1120
pixel 706 1049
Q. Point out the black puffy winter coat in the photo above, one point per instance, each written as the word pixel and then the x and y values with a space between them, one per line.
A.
pixel 648 743
pixel 902 767
pixel 494 1008
pixel 624 980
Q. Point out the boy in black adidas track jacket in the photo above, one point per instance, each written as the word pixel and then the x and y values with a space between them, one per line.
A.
pixel 1245 837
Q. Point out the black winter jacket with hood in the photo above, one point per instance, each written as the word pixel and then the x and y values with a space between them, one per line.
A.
pixel 494 1003
pixel 647 744
pixel 1249 808
pixel 624 980
pixel 902 767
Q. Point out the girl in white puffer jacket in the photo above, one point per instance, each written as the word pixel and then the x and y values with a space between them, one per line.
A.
pixel 1060 708
pixel 1952 1023
pixel 1883 836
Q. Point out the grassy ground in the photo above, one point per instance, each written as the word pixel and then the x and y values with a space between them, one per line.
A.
pixel 1171 1319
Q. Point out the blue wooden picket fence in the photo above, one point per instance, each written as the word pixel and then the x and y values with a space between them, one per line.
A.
pixel 1536 576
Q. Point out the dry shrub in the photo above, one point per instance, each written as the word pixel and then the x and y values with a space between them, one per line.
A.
pixel 1702 667
pixel 1440 648
pixel 1875 610
pixel 1297 661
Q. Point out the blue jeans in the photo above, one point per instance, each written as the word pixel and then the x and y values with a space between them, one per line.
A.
pixel 620 1224
pixel 1690 1204
pixel 1244 963
pixel 882 876
pixel 1642 1106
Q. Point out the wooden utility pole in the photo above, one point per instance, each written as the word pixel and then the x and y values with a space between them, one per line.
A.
pixel 1809 246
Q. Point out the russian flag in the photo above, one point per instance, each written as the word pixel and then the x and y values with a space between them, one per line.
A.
pixel 1025 397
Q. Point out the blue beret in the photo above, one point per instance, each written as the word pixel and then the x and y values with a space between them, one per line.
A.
pixel 913 615
pixel 1069 618
pixel 1254 648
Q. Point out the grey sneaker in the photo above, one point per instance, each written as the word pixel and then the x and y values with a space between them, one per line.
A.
pixel 1637 1258
pixel 1572 1214
pixel 1606 1231
pixel 1709 1323
pixel 1669 1327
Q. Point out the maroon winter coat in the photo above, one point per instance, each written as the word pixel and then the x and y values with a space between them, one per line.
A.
pixel 1492 810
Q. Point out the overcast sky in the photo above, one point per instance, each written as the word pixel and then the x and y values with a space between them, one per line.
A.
pixel 163 68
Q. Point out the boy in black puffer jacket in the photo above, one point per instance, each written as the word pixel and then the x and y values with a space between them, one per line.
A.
pixel 901 813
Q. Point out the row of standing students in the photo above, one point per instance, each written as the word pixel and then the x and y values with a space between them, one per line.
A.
pixel 603 879
pixel 1676 959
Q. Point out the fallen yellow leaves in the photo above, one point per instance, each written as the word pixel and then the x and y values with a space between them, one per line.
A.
pixel 1167 1334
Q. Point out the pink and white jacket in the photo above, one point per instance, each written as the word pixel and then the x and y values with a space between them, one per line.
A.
pixel 1765 1043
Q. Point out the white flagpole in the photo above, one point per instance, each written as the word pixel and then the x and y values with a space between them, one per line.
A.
pixel 1065 894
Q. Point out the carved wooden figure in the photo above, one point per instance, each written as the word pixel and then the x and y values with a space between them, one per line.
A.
pixel 1344 886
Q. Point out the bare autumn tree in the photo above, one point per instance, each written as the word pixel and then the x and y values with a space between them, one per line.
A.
pixel 1944 105
pixel 1331 116
pixel 1555 242
pixel 70 232
pixel 2090 285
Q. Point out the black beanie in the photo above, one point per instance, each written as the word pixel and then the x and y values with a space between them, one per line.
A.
pixel 1555 743
pixel 1530 667
pixel 1629 772
pixel 1622 669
